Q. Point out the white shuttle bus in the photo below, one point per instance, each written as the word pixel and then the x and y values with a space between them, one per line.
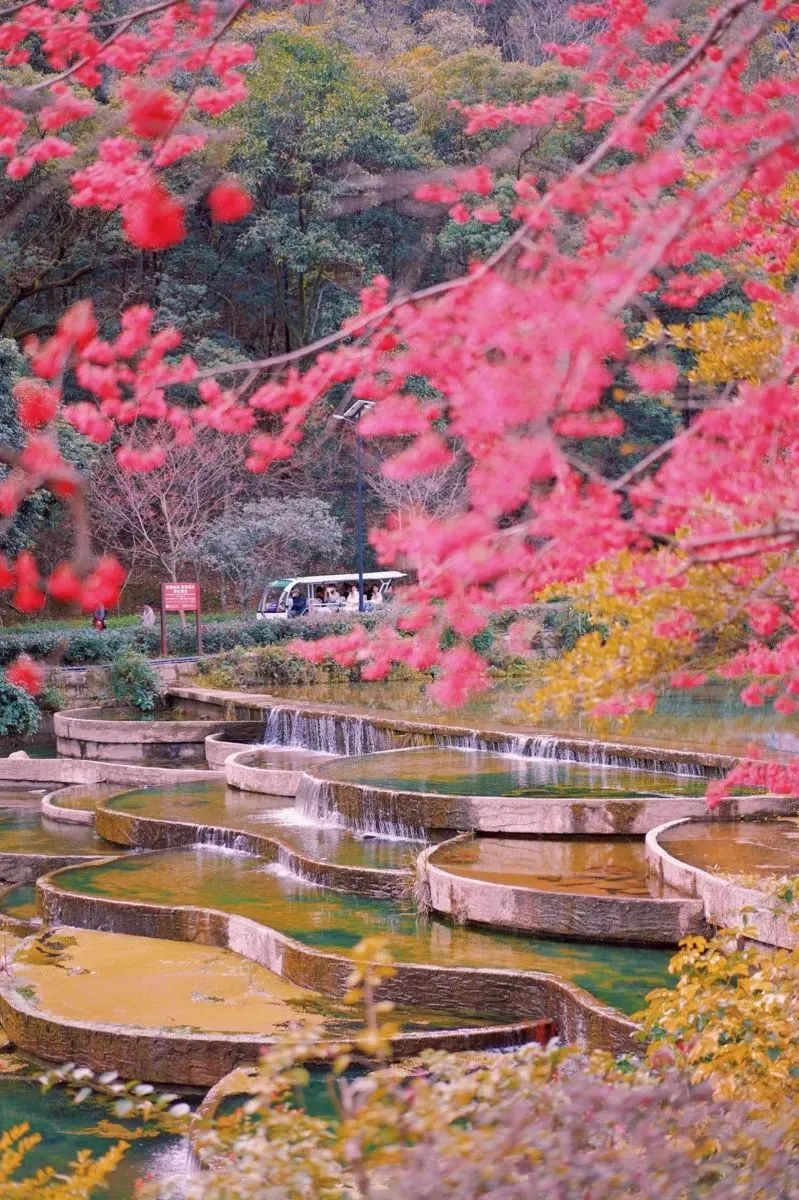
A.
pixel 323 595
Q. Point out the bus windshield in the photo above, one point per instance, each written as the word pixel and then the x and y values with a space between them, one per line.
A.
pixel 269 601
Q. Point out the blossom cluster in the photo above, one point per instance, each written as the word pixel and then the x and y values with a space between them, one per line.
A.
pixel 526 359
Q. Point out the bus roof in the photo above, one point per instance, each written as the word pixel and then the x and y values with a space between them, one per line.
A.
pixel 284 583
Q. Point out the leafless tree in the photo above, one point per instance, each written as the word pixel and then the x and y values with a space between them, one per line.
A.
pixel 157 516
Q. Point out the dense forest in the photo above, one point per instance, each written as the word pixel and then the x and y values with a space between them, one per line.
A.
pixel 351 104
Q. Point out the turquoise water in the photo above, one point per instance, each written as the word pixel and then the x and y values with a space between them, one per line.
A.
pixel 19 902
pixel 337 921
pixel 274 817
pixel 66 1128
pixel 476 773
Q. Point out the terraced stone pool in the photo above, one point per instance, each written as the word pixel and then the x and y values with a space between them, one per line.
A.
pixel 336 921
pixel 477 773
pixel 212 804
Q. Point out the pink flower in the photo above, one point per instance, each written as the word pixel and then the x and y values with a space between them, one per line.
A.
pixel 229 201
pixel 26 674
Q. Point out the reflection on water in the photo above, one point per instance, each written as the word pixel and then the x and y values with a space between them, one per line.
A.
pixel 268 816
pixel 23 831
pixel 20 796
pixel 65 1129
pixel 749 851
pixel 610 867
pixel 19 902
pixel 337 921
pixel 707 719
pixel 288 758
pixel 476 773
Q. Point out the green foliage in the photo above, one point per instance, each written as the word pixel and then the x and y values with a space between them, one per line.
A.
pixel 567 624
pixel 19 716
pixel 134 682
pixel 84 646
pixel 312 112
pixel 51 698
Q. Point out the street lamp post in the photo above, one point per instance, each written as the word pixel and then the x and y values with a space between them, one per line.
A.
pixel 352 414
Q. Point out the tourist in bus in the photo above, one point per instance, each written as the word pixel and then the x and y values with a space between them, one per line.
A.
pixel 352 603
pixel 332 596
pixel 375 596
pixel 299 604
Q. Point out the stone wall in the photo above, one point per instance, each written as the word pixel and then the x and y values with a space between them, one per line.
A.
pixel 91 683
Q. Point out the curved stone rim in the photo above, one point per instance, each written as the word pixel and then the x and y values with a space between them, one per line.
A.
pixel 218 749
pixel 96 770
pixel 243 773
pixel 445 734
pixel 88 725
pixel 246 775
pixel 544 816
pixel 578 1016
pixel 26 867
pixel 161 833
pixel 62 812
pixel 577 916
pixel 192 1058
pixel 722 899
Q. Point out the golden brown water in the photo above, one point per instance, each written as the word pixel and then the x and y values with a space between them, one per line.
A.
pixel 84 799
pixel 337 921
pixel 750 852
pixel 19 902
pixel 610 867
pixel 119 979
pixel 25 831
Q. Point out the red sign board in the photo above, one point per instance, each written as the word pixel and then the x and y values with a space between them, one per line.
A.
pixel 180 597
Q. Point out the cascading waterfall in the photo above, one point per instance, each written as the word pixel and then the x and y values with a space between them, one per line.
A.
pixel 316 802
pixel 328 733
pixel 352 735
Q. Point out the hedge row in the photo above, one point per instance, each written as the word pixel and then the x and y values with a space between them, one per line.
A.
pixel 86 646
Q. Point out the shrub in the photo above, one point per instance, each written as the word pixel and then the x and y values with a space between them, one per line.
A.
pixel 51 698
pixel 134 682
pixel 545 1123
pixel 19 716
pixel 75 647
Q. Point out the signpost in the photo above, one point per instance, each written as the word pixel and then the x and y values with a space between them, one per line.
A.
pixel 180 597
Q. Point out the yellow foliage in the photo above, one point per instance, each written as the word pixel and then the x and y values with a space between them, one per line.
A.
pixel 731 1020
pixel 87 1173
pixel 623 653
pixel 737 346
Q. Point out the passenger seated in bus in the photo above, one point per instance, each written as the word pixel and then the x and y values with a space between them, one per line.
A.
pixel 332 596
pixel 353 601
pixel 299 604
pixel 375 596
